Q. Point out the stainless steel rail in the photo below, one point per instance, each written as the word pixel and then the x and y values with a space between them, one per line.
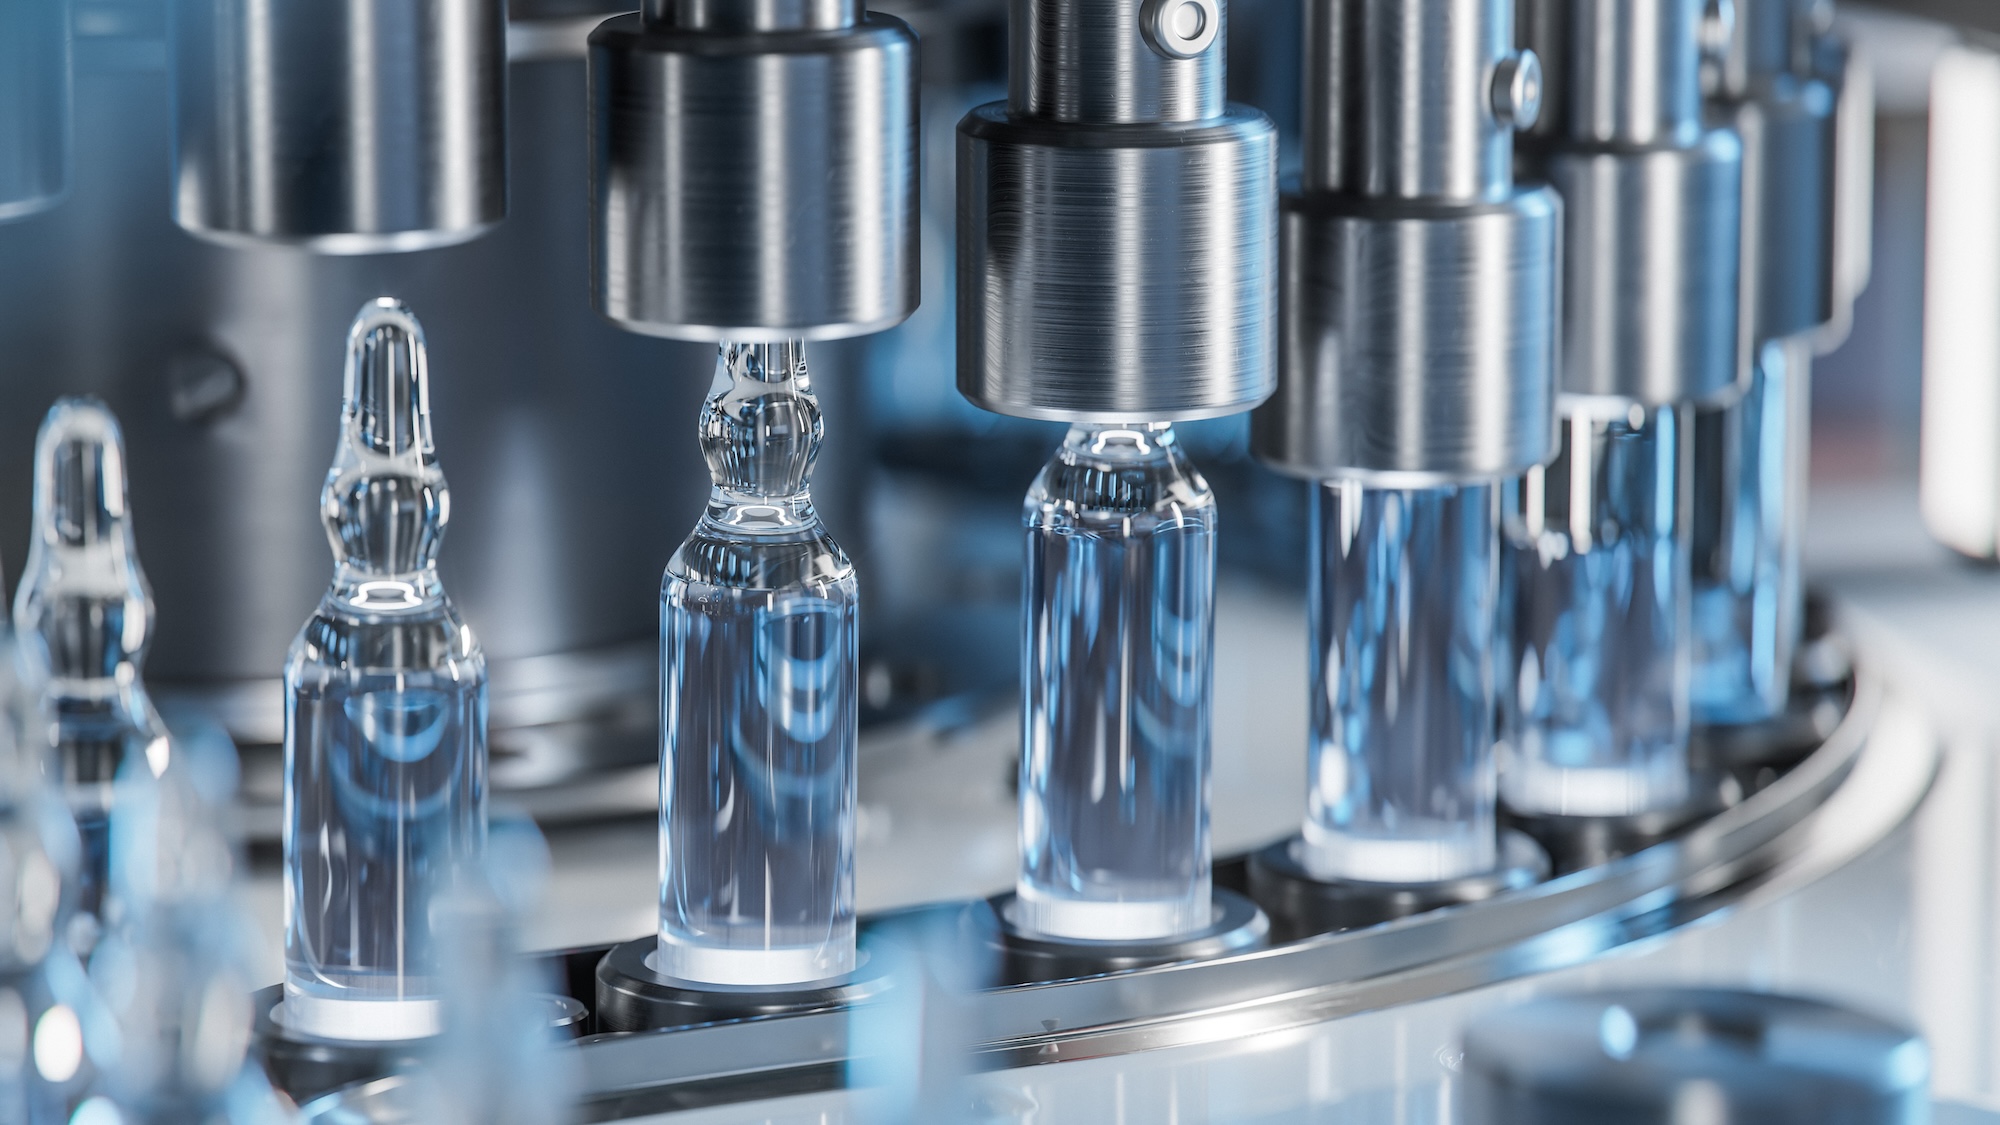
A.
pixel 1831 808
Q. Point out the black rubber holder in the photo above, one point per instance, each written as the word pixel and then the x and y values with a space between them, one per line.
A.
pixel 631 996
pixel 1026 958
pixel 1302 906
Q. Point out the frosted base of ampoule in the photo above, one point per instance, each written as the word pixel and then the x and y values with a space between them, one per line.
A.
pixel 360 1020
pixel 752 967
pixel 1085 919
pixel 1532 783
pixel 1446 851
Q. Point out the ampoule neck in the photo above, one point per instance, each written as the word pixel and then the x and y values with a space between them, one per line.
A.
pixel 84 613
pixel 385 504
pixel 760 434
pixel 1122 441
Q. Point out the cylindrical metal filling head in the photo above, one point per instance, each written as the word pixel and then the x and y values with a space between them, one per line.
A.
pixel 1414 98
pixel 34 105
pixel 348 126
pixel 1788 215
pixel 1417 341
pixel 1647 1055
pixel 752 15
pixel 1652 202
pixel 1650 257
pixel 1625 72
pixel 1105 61
pixel 754 185
pixel 1116 273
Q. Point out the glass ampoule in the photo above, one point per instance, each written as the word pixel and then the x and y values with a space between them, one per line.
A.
pixel 174 967
pixel 1594 693
pixel 1117 673
pixel 1402 596
pixel 385 718
pixel 758 694
pixel 498 1061
pixel 83 618
pixel 42 985
pixel 1748 509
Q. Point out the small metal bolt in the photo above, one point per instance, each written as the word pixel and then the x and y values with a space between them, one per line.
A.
pixel 1180 29
pixel 1517 91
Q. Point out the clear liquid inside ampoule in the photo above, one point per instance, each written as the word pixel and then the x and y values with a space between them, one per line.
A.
pixel 759 697
pixel 385 724
pixel 1748 504
pixel 1117 672
pixel 1400 771
pixel 1595 689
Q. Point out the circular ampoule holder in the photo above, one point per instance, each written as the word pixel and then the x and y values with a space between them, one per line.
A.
pixel 306 1066
pixel 1574 843
pixel 1024 957
pixel 633 996
pixel 1302 906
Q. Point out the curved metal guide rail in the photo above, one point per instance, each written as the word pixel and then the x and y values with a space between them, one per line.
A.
pixel 1833 806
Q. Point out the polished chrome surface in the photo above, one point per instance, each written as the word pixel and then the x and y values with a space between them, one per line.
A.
pixel 1105 61
pixel 1418 340
pixel 751 184
pixel 1651 198
pixel 1784 114
pixel 756 15
pixel 1114 274
pixel 345 126
pixel 1399 98
pixel 1834 807
pixel 1116 221
pixel 1418 286
pixel 34 105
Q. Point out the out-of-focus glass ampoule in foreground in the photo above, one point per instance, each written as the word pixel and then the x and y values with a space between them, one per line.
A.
pixel 84 617
pixel 1595 697
pixel 1116 673
pixel 1401 596
pixel 1750 487
pixel 758 693
pixel 385 719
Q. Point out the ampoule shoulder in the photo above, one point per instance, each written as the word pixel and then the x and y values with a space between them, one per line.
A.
pixel 718 555
pixel 1155 485
pixel 426 634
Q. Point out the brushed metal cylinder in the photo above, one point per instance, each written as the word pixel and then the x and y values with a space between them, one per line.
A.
pixel 1787 128
pixel 1650 257
pixel 34 105
pixel 346 126
pixel 1115 60
pixel 1652 202
pixel 1417 339
pixel 1399 98
pixel 1107 273
pixel 754 184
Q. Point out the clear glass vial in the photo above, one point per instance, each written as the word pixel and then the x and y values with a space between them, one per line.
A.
pixel 1749 507
pixel 759 699
pixel 1117 668
pixel 83 617
pixel 1595 688
pixel 1402 597
pixel 385 718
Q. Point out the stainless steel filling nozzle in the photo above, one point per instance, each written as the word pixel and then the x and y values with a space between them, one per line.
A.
pixel 1419 283
pixel 34 105
pixel 1116 221
pixel 754 169
pixel 345 126
pixel 1652 197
